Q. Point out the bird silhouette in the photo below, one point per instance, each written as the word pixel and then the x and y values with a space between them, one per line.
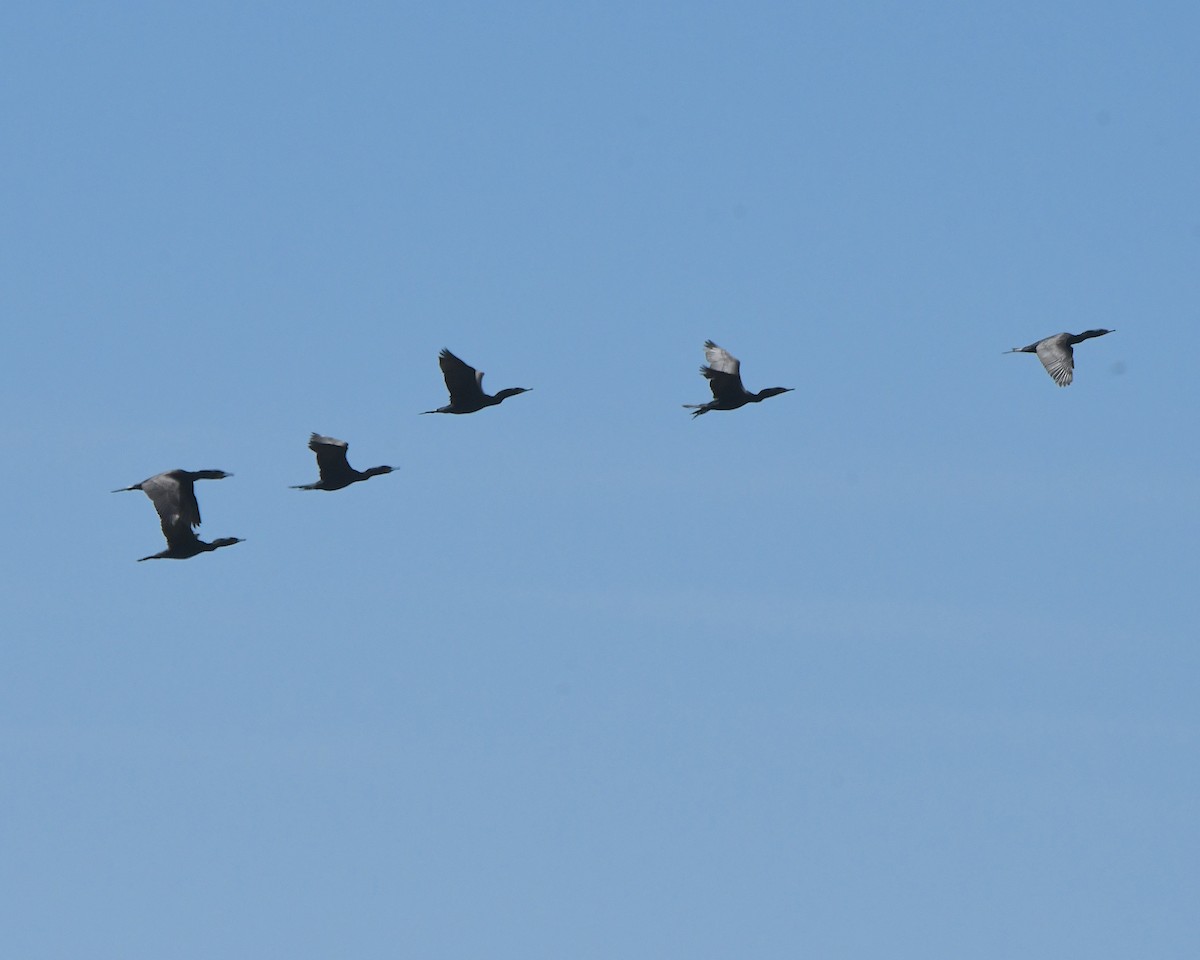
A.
pixel 1057 353
pixel 336 471
pixel 465 384
pixel 174 497
pixel 723 372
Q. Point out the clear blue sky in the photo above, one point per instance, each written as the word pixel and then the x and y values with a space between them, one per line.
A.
pixel 901 664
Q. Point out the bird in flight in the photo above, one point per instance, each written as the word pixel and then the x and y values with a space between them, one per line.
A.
pixel 174 497
pixel 336 471
pixel 1057 353
pixel 465 384
pixel 723 372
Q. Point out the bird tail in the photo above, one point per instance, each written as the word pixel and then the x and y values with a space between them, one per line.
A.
pixel 698 407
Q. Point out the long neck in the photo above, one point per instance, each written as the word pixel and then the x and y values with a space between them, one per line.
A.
pixel 220 542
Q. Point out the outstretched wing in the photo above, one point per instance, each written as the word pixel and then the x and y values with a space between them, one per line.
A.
pixel 1058 358
pixel 464 382
pixel 723 372
pixel 175 500
pixel 721 360
pixel 331 456
pixel 180 537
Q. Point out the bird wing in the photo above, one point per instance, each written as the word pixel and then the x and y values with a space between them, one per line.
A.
pixel 721 360
pixel 724 386
pixel 175 501
pixel 723 372
pixel 463 381
pixel 1058 358
pixel 179 535
pixel 331 456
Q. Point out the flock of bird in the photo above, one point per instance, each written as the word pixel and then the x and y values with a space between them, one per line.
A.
pixel 174 496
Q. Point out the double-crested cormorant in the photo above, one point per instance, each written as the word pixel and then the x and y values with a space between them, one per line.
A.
pixel 174 498
pixel 336 471
pixel 1056 354
pixel 723 372
pixel 465 384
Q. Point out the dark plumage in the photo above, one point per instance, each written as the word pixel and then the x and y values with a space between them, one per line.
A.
pixel 465 384
pixel 336 471
pixel 723 372
pixel 174 498
pixel 1057 355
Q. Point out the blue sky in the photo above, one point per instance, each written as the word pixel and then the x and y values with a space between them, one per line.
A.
pixel 900 664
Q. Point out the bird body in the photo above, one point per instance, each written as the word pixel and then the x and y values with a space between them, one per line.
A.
pixel 1057 353
pixel 174 497
pixel 336 471
pixel 723 372
pixel 185 545
pixel 465 385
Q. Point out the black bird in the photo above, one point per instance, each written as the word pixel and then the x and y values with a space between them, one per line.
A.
pixel 723 372
pixel 465 384
pixel 174 498
pixel 1056 354
pixel 336 471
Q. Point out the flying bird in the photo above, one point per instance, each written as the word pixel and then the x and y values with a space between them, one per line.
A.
pixel 1057 355
pixel 336 471
pixel 174 497
pixel 723 372
pixel 465 384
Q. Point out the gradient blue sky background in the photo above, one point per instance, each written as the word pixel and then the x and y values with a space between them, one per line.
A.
pixel 901 664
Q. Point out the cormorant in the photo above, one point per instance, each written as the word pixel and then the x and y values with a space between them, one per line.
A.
pixel 174 498
pixel 336 471
pixel 1056 354
pixel 723 372
pixel 465 384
